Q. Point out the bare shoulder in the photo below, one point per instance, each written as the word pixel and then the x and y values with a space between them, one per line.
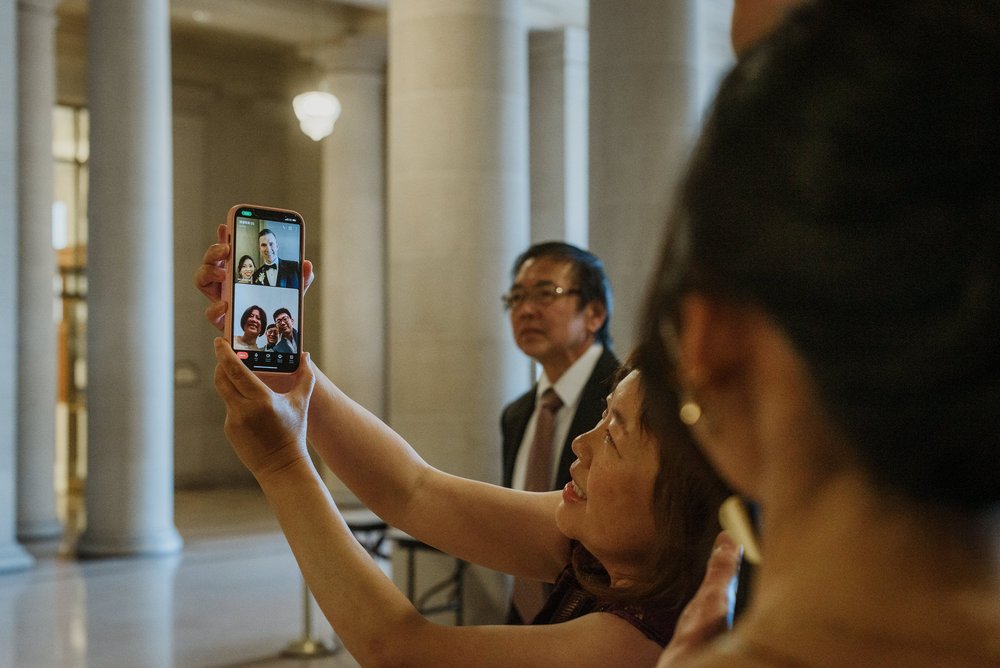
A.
pixel 724 652
pixel 610 640
pixel 597 639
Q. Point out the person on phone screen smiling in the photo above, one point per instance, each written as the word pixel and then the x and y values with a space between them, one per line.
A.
pixel 253 321
pixel 245 270
pixel 271 336
pixel 274 271
pixel 288 336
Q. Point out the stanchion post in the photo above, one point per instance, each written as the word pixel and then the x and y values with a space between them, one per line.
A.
pixel 307 646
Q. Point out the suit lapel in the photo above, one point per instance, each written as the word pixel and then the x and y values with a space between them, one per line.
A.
pixel 590 409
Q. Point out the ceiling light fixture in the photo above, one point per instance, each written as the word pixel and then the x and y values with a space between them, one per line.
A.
pixel 317 110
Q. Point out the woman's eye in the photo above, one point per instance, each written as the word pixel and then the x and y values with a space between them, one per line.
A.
pixel 607 438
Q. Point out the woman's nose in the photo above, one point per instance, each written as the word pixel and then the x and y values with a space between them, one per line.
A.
pixel 581 445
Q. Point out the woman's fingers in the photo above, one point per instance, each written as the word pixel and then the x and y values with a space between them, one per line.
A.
pixel 216 314
pixel 243 381
pixel 304 380
pixel 307 275
pixel 707 614
pixel 209 277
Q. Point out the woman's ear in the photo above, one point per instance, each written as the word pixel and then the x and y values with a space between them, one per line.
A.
pixel 715 367
pixel 712 340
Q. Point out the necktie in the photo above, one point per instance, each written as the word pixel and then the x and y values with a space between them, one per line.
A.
pixel 529 595
pixel 539 473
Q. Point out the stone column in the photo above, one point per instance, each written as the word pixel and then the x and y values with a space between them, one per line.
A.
pixel 650 74
pixel 458 215
pixel 558 82
pixel 12 555
pixel 130 342
pixel 351 268
pixel 352 226
pixel 36 267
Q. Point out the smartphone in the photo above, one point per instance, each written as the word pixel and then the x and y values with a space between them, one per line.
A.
pixel 264 287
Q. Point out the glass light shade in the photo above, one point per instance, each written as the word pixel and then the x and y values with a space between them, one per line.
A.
pixel 317 111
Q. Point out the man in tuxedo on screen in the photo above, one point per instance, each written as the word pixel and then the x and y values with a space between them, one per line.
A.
pixel 274 271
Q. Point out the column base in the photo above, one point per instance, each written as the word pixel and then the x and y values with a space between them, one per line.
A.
pixel 92 545
pixel 15 558
pixel 36 531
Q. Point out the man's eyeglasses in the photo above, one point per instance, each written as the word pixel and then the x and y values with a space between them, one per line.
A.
pixel 542 295
pixel 283 319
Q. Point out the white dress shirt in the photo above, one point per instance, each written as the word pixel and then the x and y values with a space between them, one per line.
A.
pixel 569 387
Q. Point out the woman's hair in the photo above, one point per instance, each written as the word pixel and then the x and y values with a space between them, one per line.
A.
pixel 246 316
pixel 239 265
pixel 848 184
pixel 687 494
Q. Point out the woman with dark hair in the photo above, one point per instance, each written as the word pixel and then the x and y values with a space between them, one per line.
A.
pixel 826 311
pixel 253 322
pixel 625 541
pixel 245 269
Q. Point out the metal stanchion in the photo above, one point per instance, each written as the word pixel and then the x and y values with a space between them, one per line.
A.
pixel 307 646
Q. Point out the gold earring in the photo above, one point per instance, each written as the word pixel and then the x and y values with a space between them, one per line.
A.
pixel 690 412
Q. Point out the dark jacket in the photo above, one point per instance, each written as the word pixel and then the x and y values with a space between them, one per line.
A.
pixel 516 414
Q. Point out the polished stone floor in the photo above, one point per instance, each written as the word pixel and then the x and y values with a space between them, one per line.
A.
pixel 232 597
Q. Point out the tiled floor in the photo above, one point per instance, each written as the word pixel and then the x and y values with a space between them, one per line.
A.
pixel 233 597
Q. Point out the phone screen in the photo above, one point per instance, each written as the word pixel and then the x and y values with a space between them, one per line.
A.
pixel 266 292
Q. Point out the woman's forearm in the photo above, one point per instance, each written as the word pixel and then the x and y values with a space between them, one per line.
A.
pixel 505 530
pixel 380 627
pixel 375 463
pixel 355 596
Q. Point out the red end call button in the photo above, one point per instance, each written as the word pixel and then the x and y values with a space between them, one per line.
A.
pixel 242 354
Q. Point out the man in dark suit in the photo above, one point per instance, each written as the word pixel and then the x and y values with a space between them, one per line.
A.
pixel 274 271
pixel 560 315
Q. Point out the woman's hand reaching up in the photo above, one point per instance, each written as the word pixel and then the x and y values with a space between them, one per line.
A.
pixel 267 429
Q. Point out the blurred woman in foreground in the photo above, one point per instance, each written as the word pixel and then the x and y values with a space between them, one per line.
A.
pixel 827 310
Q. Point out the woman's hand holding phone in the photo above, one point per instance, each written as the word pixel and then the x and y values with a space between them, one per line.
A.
pixel 257 301
pixel 708 614
pixel 266 428
pixel 210 276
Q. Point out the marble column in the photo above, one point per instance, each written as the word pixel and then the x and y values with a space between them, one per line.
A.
pixel 36 267
pixel 130 341
pixel 651 71
pixel 352 226
pixel 351 267
pixel 558 71
pixel 12 555
pixel 458 215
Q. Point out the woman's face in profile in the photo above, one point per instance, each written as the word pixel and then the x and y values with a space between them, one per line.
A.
pixel 607 505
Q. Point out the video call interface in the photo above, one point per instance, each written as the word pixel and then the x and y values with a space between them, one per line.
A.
pixel 266 289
